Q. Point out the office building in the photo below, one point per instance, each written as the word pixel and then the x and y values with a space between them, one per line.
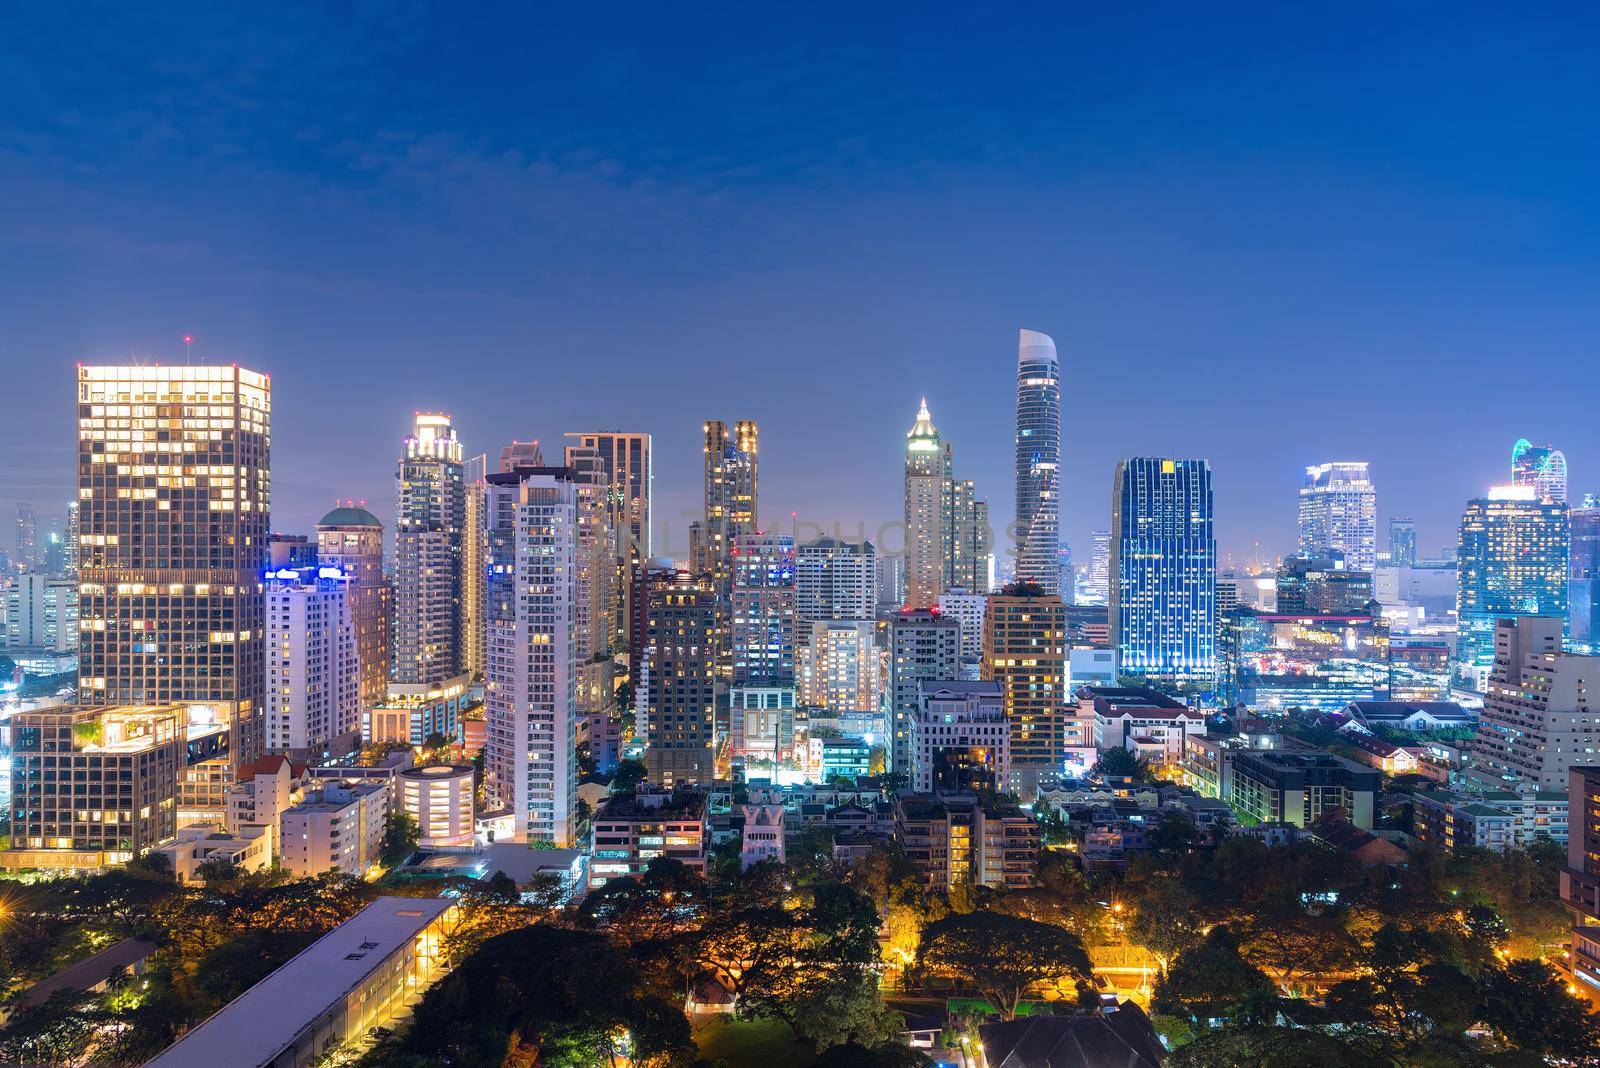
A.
pixel 966 537
pixel 1038 460
pixel 1278 786
pixel 732 476
pixel 924 645
pixel 350 538
pixel 92 786
pixel 439 798
pixel 1580 879
pixel 1094 584
pixel 336 827
pixel 354 979
pixel 891 582
pixel 1339 513
pixel 1025 650
pixel 70 542
pixel 956 841
pixel 1320 662
pixel 841 668
pixel 430 530
pixel 762 618
pixel 174 512
pixel 1542 467
pixel 41 615
pixel 1402 542
pixel 313 699
pixel 1322 586
pixel 676 699
pixel 1163 570
pixel 631 830
pixel 28 557
pixel 967 609
pixel 834 579
pixel 1513 559
pixel 960 737
pixel 530 690
pixel 1537 720
pixel 925 557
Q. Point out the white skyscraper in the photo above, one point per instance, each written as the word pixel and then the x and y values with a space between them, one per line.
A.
pixel 1543 467
pixel 313 697
pixel 1339 513
pixel 1038 460
pixel 531 670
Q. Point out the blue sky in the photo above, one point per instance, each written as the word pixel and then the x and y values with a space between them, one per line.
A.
pixel 1267 235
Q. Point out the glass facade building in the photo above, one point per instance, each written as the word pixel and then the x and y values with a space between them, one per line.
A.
pixel 1339 514
pixel 1038 474
pixel 1163 570
pixel 1513 555
pixel 1320 662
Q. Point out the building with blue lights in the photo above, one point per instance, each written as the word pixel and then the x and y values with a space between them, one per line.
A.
pixel 1512 556
pixel 1321 662
pixel 1163 570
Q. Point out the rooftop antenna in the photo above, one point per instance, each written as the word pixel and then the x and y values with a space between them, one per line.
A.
pixel 188 348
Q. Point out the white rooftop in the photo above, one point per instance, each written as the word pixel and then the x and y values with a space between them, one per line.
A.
pixel 261 1023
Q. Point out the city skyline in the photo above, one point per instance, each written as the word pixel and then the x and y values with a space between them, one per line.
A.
pixel 1278 217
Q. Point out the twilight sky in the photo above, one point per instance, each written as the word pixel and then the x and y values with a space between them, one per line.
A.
pixel 1267 235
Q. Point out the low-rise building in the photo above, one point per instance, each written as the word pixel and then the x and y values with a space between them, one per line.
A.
pixel 337 827
pixel 1497 819
pixel 1410 715
pixel 845 758
pixel 1139 719
pixel 439 798
pixel 1208 759
pixel 761 835
pixel 1300 787
pixel 1385 756
pixel 248 849
pixel 956 840
pixel 631 830
pixel 263 792
pixel 358 976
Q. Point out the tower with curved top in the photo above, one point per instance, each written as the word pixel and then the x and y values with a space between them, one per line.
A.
pixel 1038 471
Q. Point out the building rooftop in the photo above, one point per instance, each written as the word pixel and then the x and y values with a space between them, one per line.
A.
pixel 89 972
pixel 961 687
pixel 1127 697
pixel 349 516
pixel 255 1027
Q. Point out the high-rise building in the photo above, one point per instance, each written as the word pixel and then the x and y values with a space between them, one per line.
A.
pixel 967 609
pixel 596 582
pixel 924 513
pixel 1580 879
pixel 1585 555
pixel 834 579
pixel 841 669
pixel 1038 475
pixel 1512 557
pixel 71 555
pixel 1339 513
pixel 530 680
pixel 1544 467
pixel 658 571
pixel 290 550
pixel 1025 648
pixel 474 564
pixel 677 685
pixel 41 615
pixel 731 481
pixel 174 511
pixel 625 459
pixel 28 557
pixel 965 528
pixel 430 529
pixel 1095 587
pixel 1537 719
pixel 92 786
pixel 924 646
pixel 1402 542
pixel 350 538
pixel 762 636
pixel 1163 570
pixel 891 586
pixel 313 697
pixel 1322 587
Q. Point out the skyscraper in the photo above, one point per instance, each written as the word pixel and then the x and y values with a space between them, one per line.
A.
pixel 174 511
pixel 1402 542
pixel 626 461
pixel 1538 719
pixel 1163 570
pixel 1098 591
pixel 313 697
pixel 1038 475
pixel 731 478
pixel 677 685
pixel 762 618
pixel 1544 467
pixel 924 646
pixel 1512 559
pixel 924 513
pixel 27 558
pixel 429 535
pixel 596 581
pixel 530 679
pixel 966 529
pixel 350 538
pixel 834 579
pixel 71 555
pixel 474 551
pixel 1025 648
pixel 1339 513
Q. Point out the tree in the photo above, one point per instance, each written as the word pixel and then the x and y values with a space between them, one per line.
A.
pixel 1276 1047
pixel 628 776
pixel 1173 837
pixel 1121 763
pixel 400 836
pixel 1213 980
pixel 1164 920
pixel 886 1055
pixel 1527 1006
pixel 1291 945
pixel 1002 956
